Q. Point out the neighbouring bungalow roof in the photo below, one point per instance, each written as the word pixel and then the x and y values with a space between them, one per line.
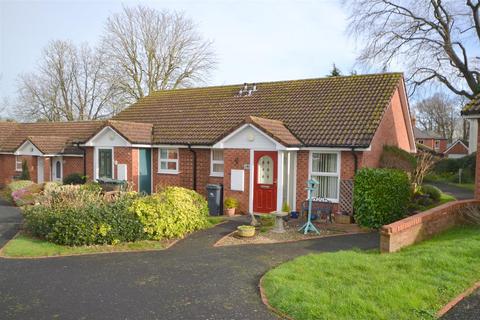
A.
pixel 464 144
pixel 62 137
pixel 423 134
pixel 328 112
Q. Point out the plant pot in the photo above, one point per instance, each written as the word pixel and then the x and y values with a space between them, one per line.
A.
pixel 294 214
pixel 246 231
pixel 343 219
pixel 229 212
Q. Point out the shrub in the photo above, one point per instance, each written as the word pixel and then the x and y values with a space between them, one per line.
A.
pixel 395 158
pixel 91 223
pixel 447 169
pixel 74 178
pixel 92 186
pixel 171 213
pixel 25 175
pixel 19 184
pixel 230 203
pixel 381 196
pixel 433 192
pixel 27 195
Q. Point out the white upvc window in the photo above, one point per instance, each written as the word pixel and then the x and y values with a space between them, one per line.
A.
pixel 18 163
pixel 216 166
pixel 325 169
pixel 168 160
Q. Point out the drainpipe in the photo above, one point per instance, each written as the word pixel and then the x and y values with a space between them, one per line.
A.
pixel 355 160
pixel 194 167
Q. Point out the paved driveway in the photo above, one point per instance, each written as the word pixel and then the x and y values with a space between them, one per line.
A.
pixel 191 280
pixel 10 219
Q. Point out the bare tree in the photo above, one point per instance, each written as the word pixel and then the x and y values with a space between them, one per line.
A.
pixel 68 85
pixel 440 114
pixel 149 50
pixel 425 162
pixel 435 40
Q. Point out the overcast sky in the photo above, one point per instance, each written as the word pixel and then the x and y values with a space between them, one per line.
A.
pixel 255 41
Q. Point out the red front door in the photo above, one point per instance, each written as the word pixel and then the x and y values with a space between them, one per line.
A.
pixel 265 181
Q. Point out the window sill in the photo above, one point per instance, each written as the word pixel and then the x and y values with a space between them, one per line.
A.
pixel 168 172
pixel 216 175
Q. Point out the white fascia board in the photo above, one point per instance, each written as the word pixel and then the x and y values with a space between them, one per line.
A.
pixel 11 153
pixel 90 143
pixel 220 144
pixel 471 116
pixel 335 149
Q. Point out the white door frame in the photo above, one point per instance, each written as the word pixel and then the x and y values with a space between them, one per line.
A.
pixel 40 170
pixel 54 168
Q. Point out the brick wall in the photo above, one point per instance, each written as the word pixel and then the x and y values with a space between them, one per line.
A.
pixel 393 118
pixel 71 165
pixel 89 156
pixel 458 149
pixel 423 225
pixel 236 159
pixel 302 177
pixel 7 168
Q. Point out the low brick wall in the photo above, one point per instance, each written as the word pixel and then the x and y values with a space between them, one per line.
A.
pixel 423 225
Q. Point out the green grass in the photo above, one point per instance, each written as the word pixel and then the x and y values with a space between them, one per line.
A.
pixel 466 186
pixel 411 284
pixel 214 220
pixel 26 246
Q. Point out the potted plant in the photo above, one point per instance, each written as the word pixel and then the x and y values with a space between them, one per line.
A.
pixel 343 218
pixel 246 231
pixel 230 204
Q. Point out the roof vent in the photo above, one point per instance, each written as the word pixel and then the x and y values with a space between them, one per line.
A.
pixel 247 90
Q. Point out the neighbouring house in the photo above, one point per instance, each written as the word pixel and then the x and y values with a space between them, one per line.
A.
pixel 261 141
pixel 456 149
pixel 429 139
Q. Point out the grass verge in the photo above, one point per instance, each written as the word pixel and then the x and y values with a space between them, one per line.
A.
pixel 28 247
pixel 25 246
pixel 411 284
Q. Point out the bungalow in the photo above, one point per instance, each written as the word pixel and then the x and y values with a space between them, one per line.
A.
pixel 431 140
pixel 261 141
pixel 456 149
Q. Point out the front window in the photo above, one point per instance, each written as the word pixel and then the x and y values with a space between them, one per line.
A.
pixel 217 163
pixel 420 141
pixel 18 163
pixel 437 144
pixel 105 163
pixel 168 160
pixel 325 170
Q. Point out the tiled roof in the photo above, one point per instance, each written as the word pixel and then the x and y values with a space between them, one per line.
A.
pixel 49 145
pixel 275 129
pixel 336 111
pixel 62 137
pixel 423 134
pixel 473 107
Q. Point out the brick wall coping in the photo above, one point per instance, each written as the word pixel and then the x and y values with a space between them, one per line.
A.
pixel 431 214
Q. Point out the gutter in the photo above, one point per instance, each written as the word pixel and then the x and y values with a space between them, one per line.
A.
pixel 194 167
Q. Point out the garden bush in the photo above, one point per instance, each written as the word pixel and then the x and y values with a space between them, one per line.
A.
pixel 381 196
pixel 395 158
pixel 27 195
pixel 172 213
pixel 18 184
pixel 84 222
pixel 433 192
pixel 25 175
pixel 447 169
pixel 74 178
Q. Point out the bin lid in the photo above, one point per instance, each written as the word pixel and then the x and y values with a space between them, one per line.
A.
pixel 213 186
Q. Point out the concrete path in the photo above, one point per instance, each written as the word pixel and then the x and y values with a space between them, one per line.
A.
pixel 191 280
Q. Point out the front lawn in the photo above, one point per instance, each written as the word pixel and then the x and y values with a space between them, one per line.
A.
pixel 411 284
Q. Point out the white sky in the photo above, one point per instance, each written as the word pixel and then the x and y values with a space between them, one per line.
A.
pixel 255 40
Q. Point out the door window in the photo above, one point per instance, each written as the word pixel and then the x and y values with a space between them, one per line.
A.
pixel 265 170
pixel 58 170
pixel 105 162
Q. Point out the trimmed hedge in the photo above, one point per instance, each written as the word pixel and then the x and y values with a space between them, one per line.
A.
pixel 433 192
pixel 95 223
pixel 381 196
